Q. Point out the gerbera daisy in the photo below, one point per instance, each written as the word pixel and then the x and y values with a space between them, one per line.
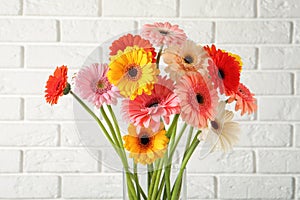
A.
pixel 57 85
pixel 144 145
pixel 163 34
pixel 130 41
pixel 147 110
pixel 224 70
pixel 244 100
pixel 222 132
pixel 189 57
pixel 133 72
pixel 198 99
pixel 92 84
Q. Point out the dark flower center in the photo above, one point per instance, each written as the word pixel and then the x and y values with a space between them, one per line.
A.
pixel 144 139
pixel 221 74
pixel 214 124
pixel 153 103
pixel 200 98
pixel 163 32
pixel 188 59
pixel 132 72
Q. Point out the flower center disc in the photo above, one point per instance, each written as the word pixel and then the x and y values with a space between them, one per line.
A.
pixel 100 84
pixel 132 72
pixel 188 59
pixel 200 98
pixel 214 124
pixel 221 74
pixel 144 140
pixel 163 32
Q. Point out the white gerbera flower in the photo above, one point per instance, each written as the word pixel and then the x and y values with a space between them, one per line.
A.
pixel 222 133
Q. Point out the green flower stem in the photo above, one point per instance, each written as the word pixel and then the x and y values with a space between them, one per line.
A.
pixel 173 147
pixel 190 151
pixel 136 181
pixel 167 178
pixel 161 187
pixel 128 176
pixel 116 124
pixel 157 178
pixel 150 174
pixel 174 123
pixel 188 140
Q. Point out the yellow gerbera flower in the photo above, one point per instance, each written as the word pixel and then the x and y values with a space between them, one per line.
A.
pixel 133 72
pixel 145 146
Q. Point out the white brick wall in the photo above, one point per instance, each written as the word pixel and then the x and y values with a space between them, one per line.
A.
pixel 41 154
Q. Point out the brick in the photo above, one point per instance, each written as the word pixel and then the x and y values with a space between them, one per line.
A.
pixel 11 56
pixel 200 187
pixel 26 186
pixel 62 7
pixel 52 56
pixel 111 163
pixel 10 160
pixel 283 109
pixel 11 108
pixel 136 8
pixel 38 109
pixel 279 8
pixel 279 161
pixel 247 54
pixel 253 32
pixel 26 134
pixel 265 135
pixel 297 82
pixel 217 8
pixel 10 7
pixel 94 186
pixel 28 30
pixel 198 31
pixel 279 57
pixel 236 161
pixel 256 82
pixel 22 82
pixel 258 187
pixel 298 188
pixel 60 161
pixel 93 30
pixel 297 32
pixel 86 134
pixel 297 134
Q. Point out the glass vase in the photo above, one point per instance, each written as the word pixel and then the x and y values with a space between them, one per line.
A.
pixel 142 177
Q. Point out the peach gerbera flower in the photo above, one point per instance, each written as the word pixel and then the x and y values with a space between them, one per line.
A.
pixel 244 100
pixel 189 57
pixel 163 34
pixel 198 99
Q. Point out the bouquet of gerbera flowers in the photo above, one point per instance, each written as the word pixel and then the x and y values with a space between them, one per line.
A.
pixel 161 78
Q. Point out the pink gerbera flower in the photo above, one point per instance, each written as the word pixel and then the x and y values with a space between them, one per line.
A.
pixel 244 100
pixel 147 110
pixel 198 99
pixel 91 84
pixel 130 40
pixel 164 34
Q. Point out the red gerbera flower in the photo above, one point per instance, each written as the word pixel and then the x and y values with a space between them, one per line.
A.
pixel 198 99
pixel 224 70
pixel 129 41
pixel 57 85
pixel 244 100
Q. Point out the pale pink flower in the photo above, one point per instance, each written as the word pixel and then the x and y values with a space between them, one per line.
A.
pixel 92 84
pixel 147 110
pixel 163 34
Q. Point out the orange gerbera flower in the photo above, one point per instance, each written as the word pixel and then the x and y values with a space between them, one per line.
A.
pixel 57 85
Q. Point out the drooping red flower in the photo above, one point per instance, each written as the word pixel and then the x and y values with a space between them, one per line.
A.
pixel 57 85
pixel 130 40
pixel 224 70
pixel 244 100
